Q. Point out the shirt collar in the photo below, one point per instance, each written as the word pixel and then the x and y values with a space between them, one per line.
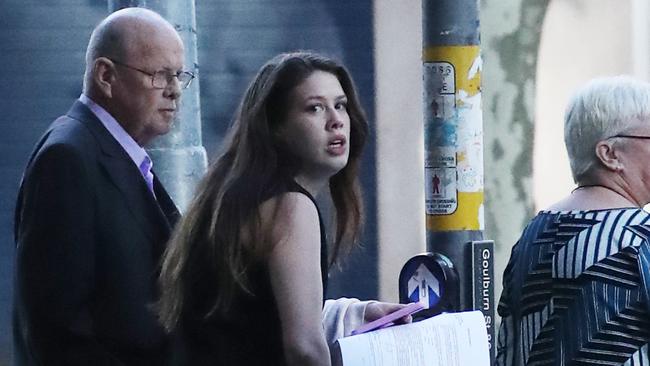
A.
pixel 135 151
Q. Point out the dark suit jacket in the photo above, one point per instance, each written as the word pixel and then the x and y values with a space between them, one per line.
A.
pixel 89 237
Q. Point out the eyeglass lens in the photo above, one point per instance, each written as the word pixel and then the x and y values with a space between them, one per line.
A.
pixel 162 78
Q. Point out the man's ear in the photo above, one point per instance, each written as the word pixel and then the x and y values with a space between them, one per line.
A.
pixel 609 155
pixel 104 76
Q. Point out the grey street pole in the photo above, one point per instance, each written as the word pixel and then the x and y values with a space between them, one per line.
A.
pixel 453 158
pixel 179 157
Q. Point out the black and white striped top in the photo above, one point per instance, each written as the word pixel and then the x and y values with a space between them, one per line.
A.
pixel 576 290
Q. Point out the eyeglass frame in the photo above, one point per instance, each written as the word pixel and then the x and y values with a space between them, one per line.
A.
pixel 630 136
pixel 168 75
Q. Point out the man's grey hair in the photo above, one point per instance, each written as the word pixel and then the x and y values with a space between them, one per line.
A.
pixel 599 110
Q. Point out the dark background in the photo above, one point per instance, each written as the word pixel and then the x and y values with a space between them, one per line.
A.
pixel 42 45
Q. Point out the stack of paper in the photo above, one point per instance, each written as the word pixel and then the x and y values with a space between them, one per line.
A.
pixel 452 339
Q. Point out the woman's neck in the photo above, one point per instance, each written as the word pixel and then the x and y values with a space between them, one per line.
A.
pixel 586 186
pixel 313 186
pixel 595 196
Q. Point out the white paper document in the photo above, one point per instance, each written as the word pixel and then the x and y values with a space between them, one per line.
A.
pixel 453 339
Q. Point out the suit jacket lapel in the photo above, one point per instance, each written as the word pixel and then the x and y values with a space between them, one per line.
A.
pixel 126 177
pixel 167 205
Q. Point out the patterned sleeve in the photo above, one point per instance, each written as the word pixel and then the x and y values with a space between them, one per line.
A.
pixel 644 271
pixel 506 338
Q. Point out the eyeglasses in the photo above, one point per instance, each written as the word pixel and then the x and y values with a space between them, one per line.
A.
pixel 632 137
pixel 161 78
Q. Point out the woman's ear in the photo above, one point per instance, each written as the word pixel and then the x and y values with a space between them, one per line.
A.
pixel 609 155
pixel 104 76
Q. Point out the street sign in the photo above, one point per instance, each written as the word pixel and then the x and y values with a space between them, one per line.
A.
pixel 424 287
pixel 430 279
pixel 483 286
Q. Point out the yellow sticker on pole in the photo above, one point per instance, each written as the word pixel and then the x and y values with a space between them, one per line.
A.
pixel 453 138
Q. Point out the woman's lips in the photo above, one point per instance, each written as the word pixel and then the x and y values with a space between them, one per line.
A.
pixel 337 146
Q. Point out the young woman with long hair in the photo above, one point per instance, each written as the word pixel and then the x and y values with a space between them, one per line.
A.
pixel 245 273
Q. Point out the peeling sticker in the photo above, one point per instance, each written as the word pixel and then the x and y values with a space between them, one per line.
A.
pixel 476 67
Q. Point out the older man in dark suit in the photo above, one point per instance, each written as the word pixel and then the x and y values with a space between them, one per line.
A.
pixel 92 219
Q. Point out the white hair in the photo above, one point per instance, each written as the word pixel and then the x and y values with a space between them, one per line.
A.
pixel 599 110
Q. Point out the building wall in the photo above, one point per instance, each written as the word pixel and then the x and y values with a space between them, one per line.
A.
pixel 400 145
pixel 581 39
pixel 42 55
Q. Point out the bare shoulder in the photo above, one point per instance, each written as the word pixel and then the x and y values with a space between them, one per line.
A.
pixel 289 214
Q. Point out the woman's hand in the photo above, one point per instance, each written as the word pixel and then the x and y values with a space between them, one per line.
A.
pixel 376 310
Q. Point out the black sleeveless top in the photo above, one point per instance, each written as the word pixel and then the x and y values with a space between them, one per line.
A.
pixel 251 334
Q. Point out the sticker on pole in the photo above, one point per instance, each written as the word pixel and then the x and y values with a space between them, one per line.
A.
pixel 441 196
pixel 441 175
pixel 439 90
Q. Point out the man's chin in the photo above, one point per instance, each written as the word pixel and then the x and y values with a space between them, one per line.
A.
pixel 165 127
pixel 157 132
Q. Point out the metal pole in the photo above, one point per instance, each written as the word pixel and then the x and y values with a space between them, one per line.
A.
pixel 179 157
pixel 453 129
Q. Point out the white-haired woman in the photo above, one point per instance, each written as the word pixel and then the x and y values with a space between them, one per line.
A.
pixel 576 287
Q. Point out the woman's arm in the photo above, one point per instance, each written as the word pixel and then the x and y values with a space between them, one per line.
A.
pixel 294 267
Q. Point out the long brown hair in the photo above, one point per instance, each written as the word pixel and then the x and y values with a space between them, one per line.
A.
pixel 208 242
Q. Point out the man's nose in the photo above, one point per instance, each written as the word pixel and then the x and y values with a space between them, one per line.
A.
pixel 173 89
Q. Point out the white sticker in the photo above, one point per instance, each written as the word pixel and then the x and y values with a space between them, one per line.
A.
pixel 440 191
pixel 439 90
pixel 441 186
pixel 443 106
pixel 470 143
pixel 440 157
pixel 439 77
